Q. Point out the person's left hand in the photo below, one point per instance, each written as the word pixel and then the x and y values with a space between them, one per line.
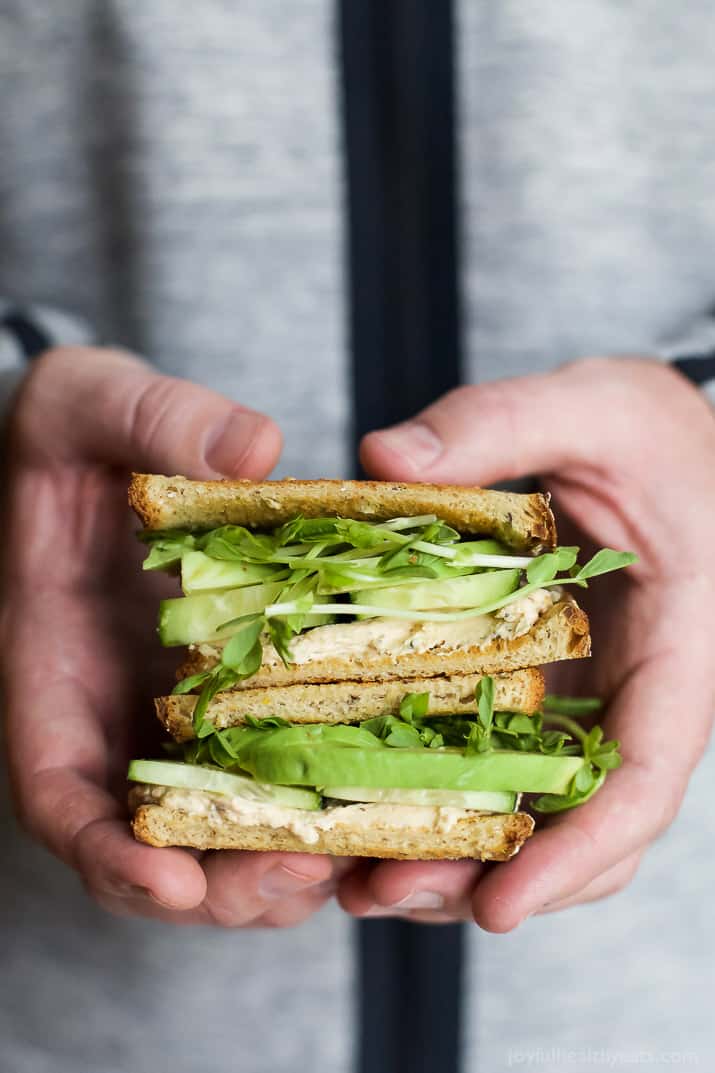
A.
pixel 627 447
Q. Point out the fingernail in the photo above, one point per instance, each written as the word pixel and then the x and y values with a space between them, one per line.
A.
pixel 415 441
pixel 327 888
pixel 129 890
pixel 279 882
pixel 229 443
pixel 420 899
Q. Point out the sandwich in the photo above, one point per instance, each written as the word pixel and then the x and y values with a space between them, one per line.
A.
pixel 361 669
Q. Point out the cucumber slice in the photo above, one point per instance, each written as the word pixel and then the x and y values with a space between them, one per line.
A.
pixel 215 781
pixel 200 572
pixel 485 801
pixel 470 591
pixel 192 619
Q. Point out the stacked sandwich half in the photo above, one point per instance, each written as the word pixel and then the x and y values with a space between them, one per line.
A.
pixel 362 670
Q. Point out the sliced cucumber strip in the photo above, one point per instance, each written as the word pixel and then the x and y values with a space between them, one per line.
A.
pixel 214 780
pixel 485 801
pixel 199 572
pixel 192 619
pixel 470 591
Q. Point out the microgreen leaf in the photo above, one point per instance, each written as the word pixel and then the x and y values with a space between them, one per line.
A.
pixel 167 553
pixel 269 722
pixel 186 685
pixel 599 756
pixel 484 696
pixel 571 705
pixel 239 649
pixel 414 706
pixel 237 542
pixel 281 634
pixel 542 569
pixel 604 561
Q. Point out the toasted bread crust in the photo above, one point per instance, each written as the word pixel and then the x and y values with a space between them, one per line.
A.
pixel 484 836
pixel 351 702
pixel 561 633
pixel 521 521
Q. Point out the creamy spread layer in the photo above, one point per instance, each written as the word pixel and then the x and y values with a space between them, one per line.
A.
pixel 394 637
pixel 220 809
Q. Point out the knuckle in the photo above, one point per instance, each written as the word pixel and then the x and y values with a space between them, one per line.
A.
pixel 623 877
pixel 224 917
pixel 273 920
pixel 466 395
pixel 505 402
pixel 150 410
pixel 670 810
pixel 592 367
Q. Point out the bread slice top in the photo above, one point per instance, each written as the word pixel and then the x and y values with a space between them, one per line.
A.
pixel 520 521
pixel 352 702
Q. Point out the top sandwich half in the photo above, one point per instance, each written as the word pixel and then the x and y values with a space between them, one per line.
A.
pixel 292 583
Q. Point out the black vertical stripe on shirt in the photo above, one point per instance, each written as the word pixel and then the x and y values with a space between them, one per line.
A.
pixel 398 110
pixel 398 98
pixel 31 338
pixel 699 368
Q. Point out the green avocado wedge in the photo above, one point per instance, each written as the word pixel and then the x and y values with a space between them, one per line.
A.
pixel 311 756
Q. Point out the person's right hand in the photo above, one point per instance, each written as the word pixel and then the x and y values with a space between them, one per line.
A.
pixel 79 655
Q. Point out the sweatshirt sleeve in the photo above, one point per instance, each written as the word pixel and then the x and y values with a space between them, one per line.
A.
pixel 25 332
pixel 692 352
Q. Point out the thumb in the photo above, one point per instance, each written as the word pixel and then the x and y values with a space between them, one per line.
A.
pixel 505 429
pixel 86 405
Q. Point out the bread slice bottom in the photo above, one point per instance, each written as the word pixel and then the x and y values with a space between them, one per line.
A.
pixel 400 832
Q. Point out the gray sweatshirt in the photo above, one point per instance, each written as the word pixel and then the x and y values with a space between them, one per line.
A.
pixel 172 182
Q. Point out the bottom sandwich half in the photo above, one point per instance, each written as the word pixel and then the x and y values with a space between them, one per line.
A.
pixel 422 832
pixel 433 772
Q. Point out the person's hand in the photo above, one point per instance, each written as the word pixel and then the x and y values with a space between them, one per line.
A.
pixel 627 447
pixel 79 653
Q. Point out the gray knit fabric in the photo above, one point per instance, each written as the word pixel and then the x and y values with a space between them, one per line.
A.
pixel 171 179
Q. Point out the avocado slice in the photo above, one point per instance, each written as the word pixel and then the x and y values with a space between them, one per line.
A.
pixel 313 756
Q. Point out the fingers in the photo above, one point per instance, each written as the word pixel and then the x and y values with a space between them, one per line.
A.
pixel 278 888
pixel 637 802
pixel 120 871
pixel 428 891
pixel 108 406
pixel 241 890
pixel 534 424
pixel 604 886
pixel 58 774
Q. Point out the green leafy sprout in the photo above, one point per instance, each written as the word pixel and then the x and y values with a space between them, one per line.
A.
pixel 600 756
